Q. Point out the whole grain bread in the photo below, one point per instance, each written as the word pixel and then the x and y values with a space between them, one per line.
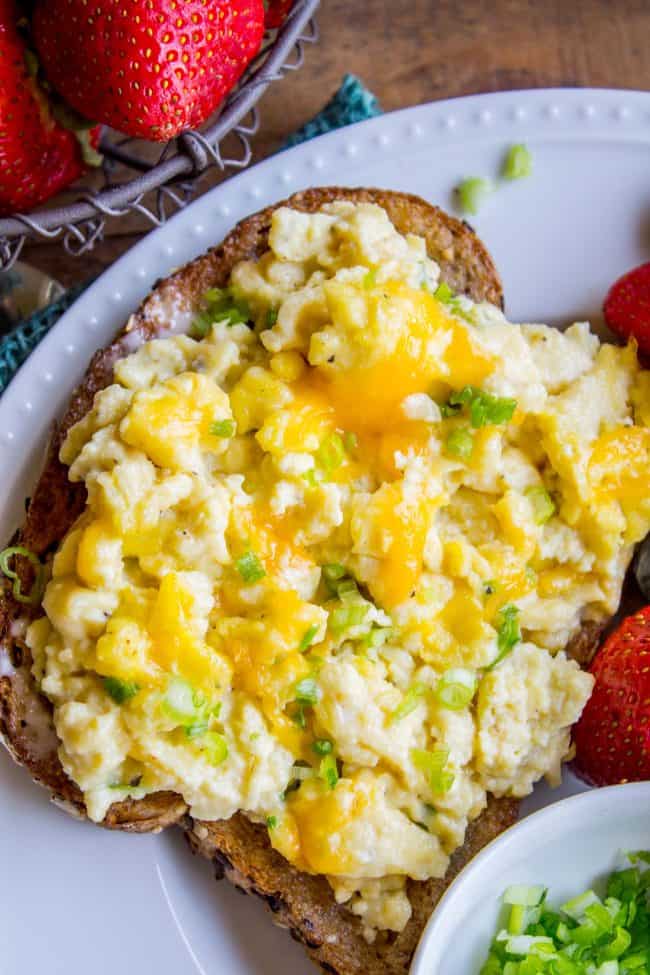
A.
pixel 239 848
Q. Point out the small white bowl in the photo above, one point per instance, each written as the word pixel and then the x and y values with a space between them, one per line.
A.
pixel 568 847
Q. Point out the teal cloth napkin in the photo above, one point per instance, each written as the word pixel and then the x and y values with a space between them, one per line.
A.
pixel 351 103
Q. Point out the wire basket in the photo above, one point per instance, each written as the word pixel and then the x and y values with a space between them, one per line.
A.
pixel 136 177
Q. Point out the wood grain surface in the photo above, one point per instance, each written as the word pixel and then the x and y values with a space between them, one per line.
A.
pixel 412 51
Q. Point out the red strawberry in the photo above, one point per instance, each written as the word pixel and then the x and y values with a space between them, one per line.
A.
pixel 150 68
pixel 38 155
pixel 627 307
pixel 612 737
pixel 277 12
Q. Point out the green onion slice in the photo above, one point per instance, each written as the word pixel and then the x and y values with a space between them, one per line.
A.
pixel 456 688
pixel 484 408
pixel 472 193
pixel 271 822
pixel 33 597
pixel 433 764
pixel 307 691
pixel 308 637
pixel 215 747
pixel 518 163
pixel 541 502
pixel 120 690
pixel 508 633
pixel 328 770
pixel 460 443
pixel 250 568
pixel 331 453
pixel 410 701
pixel 322 746
pixel 223 428
pixel 220 305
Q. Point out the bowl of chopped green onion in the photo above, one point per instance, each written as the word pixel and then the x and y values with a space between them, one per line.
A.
pixel 566 891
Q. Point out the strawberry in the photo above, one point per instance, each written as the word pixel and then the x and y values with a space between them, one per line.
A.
pixel 612 737
pixel 150 68
pixel 38 154
pixel 627 307
pixel 277 12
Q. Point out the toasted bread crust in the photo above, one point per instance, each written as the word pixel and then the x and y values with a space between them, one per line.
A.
pixel 239 848
pixel 304 903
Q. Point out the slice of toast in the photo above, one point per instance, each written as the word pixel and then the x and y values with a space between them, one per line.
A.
pixel 239 848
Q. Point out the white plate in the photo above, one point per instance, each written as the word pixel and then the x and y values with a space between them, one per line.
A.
pixel 75 899
pixel 569 847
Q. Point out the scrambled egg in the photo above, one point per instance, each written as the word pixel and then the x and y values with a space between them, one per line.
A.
pixel 328 564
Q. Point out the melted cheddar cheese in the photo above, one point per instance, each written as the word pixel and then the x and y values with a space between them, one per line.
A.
pixel 296 532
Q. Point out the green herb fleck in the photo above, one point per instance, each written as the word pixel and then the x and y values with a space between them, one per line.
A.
pixel 308 638
pixel 250 568
pixel 542 503
pixel 271 317
pixel 223 428
pixel 307 691
pixel 508 632
pixel 271 822
pixel 322 746
pixel 518 163
pixel 484 408
pixel 472 193
pixel 460 443
pixel 120 690
pixel 328 771
pixel 220 305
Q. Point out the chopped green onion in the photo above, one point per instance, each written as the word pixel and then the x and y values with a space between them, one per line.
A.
pixel 221 306
pixel 271 822
pixel 541 503
pixel 444 293
pixel 350 441
pixel 410 701
pixel 524 895
pixel 577 906
pixel 215 747
pixel 307 691
pixel 120 690
pixel 508 633
pixel 585 937
pixel 347 616
pixel 308 638
pixel 250 568
pixel 472 193
pixel 223 428
pixel 370 279
pixel 181 703
pixel 456 688
pixel 433 764
pixel 518 163
pixel 331 453
pixel 347 590
pixel 197 729
pixel 460 443
pixel 334 571
pixel 33 597
pixel 484 408
pixel 328 770
pixel 322 746
pixel 271 317
pixel 377 637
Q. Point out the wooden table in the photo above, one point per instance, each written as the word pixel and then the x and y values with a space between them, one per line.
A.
pixel 411 51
